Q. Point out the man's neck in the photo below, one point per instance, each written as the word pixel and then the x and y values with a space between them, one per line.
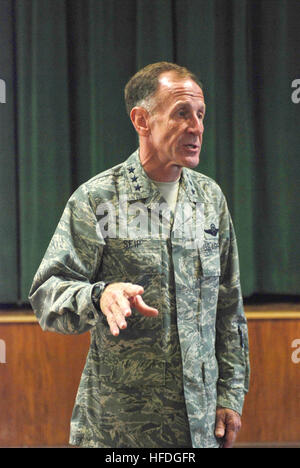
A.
pixel 157 171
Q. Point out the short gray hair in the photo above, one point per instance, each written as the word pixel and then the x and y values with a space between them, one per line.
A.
pixel 142 86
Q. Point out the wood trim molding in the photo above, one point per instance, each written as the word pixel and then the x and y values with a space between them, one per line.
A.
pixel 265 312
pixel 261 315
pixel 275 311
pixel 16 316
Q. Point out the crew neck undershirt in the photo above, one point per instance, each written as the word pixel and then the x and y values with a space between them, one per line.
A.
pixel 169 191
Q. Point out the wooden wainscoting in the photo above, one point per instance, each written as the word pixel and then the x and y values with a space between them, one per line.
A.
pixel 38 383
pixel 271 416
pixel 41 373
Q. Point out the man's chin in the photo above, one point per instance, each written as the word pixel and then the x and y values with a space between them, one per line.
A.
pixel 191 161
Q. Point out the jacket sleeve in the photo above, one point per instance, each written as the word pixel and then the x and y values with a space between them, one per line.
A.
pixel 61 291
pixel 231 325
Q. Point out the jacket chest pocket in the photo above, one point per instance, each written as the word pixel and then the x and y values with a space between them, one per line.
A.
pixel 137 261
pixel 209 256
pixel 209 253
pixel 127 259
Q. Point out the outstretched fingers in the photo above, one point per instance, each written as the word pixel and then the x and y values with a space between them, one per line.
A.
pixel 116 302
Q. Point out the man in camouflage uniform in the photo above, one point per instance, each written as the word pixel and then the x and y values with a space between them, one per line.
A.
pixel 168 360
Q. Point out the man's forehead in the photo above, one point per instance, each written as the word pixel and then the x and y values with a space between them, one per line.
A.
pixel 173 85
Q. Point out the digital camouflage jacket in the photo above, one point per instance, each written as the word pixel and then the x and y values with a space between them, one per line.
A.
pixel 159 382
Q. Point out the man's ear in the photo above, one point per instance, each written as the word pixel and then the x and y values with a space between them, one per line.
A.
pixel 140 118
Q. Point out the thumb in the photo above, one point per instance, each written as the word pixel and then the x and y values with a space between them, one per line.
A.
pixel 220 428
pixel 142 307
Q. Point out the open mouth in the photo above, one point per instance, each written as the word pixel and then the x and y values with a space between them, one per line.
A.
pixel 191 146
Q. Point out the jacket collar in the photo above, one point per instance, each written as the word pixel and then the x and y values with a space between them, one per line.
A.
pixel 139 185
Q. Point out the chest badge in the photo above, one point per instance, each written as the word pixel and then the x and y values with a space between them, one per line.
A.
pixel 213 231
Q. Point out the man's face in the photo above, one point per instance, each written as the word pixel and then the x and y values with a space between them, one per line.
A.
pixel 176 122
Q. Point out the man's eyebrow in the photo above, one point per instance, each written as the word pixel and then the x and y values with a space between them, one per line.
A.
pixel 179 104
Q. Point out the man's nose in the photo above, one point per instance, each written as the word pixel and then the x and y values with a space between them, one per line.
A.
pixel 196 124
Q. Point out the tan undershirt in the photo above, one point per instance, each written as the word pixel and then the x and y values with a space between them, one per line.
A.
pixel 169 191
